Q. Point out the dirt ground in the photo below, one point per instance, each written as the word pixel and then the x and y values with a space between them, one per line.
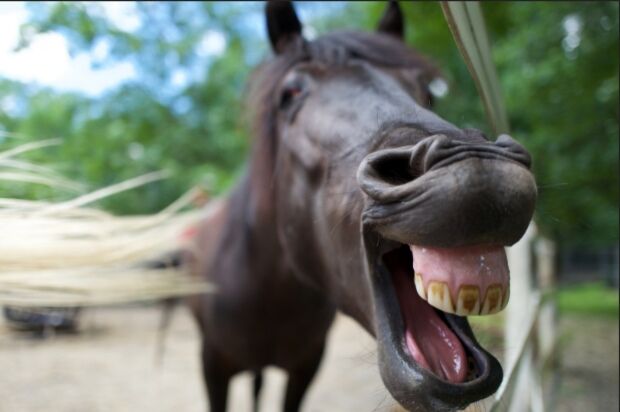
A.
pixel 588 365
pixel 111 366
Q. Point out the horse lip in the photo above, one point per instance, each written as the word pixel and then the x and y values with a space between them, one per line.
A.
pixel 411 385
pixel 412 161
pixel 456 205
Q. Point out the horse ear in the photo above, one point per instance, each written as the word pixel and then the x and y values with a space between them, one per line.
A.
pixel 283 25
pixel 392 21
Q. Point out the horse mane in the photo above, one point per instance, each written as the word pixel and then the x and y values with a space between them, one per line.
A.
pixel 332 49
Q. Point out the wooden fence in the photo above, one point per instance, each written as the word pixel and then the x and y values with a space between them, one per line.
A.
pixel 529 329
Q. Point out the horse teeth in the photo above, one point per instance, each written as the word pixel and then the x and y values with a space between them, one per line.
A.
pixel 419 286
pixel 439 296
pixel 506 297
pixel 492 301
pixel 468 301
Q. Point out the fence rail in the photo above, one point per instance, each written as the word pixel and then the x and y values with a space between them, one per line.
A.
pixel 530 323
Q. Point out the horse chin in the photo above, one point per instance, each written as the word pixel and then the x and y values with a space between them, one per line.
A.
pixel 446 372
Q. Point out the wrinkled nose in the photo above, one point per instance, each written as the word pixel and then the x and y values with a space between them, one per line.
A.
pixel 448 192
pixel 382 174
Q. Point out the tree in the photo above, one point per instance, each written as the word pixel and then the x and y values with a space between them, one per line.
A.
pixel 558 67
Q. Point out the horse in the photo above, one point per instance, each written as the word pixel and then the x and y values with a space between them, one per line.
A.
pixel 358 198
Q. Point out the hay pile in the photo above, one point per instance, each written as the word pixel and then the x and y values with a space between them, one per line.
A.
pixel 69 254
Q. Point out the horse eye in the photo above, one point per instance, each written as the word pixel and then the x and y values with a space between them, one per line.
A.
pixel 289 93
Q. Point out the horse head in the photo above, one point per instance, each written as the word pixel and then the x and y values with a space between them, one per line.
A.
pixel 395 214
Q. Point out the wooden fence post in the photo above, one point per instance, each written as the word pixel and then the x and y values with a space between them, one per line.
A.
pixel 545 255
pixel 529 329
pixel 518 317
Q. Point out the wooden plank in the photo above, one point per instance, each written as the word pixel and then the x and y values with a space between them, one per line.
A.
pixel 505 391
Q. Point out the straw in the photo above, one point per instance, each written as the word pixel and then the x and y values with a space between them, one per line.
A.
pixel 67 254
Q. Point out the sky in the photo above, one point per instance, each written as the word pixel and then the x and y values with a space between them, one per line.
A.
pixel 47 61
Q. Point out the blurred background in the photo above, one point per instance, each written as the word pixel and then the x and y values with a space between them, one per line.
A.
pixel 136 87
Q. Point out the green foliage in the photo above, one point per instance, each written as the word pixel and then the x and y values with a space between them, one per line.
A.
pixel 562 103
pixel 564 107
pixel 196 131
pixel 588 299
pixel 562 100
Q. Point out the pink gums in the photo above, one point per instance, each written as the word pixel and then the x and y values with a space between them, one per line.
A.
pixel 479 266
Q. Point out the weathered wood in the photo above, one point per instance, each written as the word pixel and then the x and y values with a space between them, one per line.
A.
pixel 530 325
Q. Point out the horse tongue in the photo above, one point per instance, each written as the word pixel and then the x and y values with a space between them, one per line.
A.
pixel 429 340
pixel 470 280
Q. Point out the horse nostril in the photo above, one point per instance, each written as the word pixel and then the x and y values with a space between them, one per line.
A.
pixel 393 170
pixel 382 175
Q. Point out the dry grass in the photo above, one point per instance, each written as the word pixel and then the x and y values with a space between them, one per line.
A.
pixel 69 254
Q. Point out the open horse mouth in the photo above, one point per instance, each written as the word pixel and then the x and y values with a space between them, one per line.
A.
pixel 437 216
pixel 463 281
pixel 422 296
pixel 452 282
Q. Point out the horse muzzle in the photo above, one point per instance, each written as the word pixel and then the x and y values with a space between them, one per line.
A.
pixel 445 192
pixel 436 218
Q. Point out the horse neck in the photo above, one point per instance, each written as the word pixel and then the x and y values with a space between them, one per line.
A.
pixel 253 207
pixel 261 188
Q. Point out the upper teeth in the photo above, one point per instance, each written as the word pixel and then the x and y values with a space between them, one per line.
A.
pixel 468 301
